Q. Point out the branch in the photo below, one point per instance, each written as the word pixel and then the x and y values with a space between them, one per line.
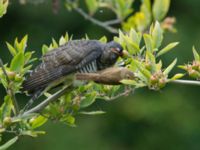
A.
pixel 125 93
pixel 186 82
pixel 10 90
pixel 111 22
pixel 105 25
pixel 50 99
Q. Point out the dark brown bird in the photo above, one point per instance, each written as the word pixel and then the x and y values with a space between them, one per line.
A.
pixel 109 76
pixel 84 56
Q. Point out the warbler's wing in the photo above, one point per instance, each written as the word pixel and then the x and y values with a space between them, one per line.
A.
pixel 61 62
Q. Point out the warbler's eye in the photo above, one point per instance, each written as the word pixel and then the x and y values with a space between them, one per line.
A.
pixel 127 76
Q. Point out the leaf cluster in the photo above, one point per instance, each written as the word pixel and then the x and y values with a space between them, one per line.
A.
pixel 144 60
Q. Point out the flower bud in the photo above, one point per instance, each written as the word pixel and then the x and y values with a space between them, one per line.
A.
pixel 162 82
pixel 148 65
pixel 194 74
pixel 7 121
pixel 153 79
pixel 11 75
pixel 125 54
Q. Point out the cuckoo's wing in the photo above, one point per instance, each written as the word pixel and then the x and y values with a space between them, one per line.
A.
pixel 61 62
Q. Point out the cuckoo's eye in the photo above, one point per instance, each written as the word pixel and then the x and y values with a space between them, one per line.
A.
pixel 117 50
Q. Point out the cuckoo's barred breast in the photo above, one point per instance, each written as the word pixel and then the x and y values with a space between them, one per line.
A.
pixel 76 56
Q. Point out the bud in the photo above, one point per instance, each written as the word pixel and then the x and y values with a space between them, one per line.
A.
pixel 125 54
pixel 148 65
pixel 11 75
pixel 32 120
pixel 162 82
pixel 195 65
pixel 7 121
pixel 194 74
pixel 153 79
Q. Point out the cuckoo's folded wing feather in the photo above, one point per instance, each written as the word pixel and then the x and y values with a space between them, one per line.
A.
pixel 61 62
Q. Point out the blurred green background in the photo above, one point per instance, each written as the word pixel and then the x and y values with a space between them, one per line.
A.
pixel 167 120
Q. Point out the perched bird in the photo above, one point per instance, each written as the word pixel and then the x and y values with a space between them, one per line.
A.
pixel 109 76
pixel 84 56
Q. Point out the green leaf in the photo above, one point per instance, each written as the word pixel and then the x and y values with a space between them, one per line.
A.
pixel 39 121
pixel 17 62
pixel 20 46
pixel 167 48
pixel 177 76
pixel 69 120
pixel 136 37
pixel 9 143
pixel 54 43
pixel 62 41
pixel 3 7
pixel 28 56
pixel 196 55
pixel 92 5
pixel 123 8
pixel 88 99
pixel 142 69
pixel 32 133
pixel 4 81
pixel 170 67
pixel 157 35
pixel 23 43
pixel 146 10
pixel 150 57
pixel 45 49
pixel 183 67
pixel 99 112
pixel 6 107
pixel 103 39
pixel 148 42
pixel 160 9
pixel 68 6
pixel 67 38
pixel 86 37
pixel 27 68
pixel 133 48
pixel 11 49
pixel 159 65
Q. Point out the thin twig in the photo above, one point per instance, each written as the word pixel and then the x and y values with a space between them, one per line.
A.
pixel 112 22
pixel 186 82
pixel 50 99
pixel 10 90
pixel 12 132
pixel 93 20
pixel 125 93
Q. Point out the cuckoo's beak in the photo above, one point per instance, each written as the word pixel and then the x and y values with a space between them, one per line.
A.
pixel 118 51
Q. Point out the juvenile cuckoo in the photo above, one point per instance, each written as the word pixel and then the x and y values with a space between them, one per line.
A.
pixel 83 56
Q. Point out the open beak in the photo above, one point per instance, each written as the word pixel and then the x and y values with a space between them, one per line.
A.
pixel 115 50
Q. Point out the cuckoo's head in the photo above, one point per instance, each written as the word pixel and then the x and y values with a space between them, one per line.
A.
pixel 111 52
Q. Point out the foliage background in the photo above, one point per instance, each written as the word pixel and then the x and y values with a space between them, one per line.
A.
pixel 168 119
